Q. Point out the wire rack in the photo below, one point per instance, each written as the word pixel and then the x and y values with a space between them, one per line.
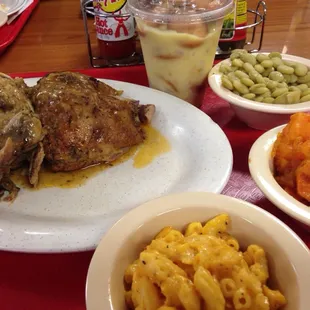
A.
pixel 96 61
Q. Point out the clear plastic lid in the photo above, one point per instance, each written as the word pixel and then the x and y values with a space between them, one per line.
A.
pixel 180 11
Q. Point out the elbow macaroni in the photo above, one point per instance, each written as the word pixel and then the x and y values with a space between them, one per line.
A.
pixel 202 269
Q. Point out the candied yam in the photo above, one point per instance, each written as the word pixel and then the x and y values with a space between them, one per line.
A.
pixel 303 180
pixel 291 154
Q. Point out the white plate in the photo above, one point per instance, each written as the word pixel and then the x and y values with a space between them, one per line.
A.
pixel 55 219
pixel 12 6
pixel 3 18
pixel 261 168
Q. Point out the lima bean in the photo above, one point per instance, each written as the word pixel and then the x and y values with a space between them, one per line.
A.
pixel 293 97
pixel 287 78
pixel 271 84
pixel 248 67
pixel 240 74
pixel 224 68
pixel 227 83
pixel 253 75
pixel 260 79
pixel 300 70
pixel 259 99
pixel 262 57
pixel 275 54
pixel 248 58
pixel 269 100
pixel 242 89
pixel 281 99
pixel 289 63
pixel 305 98
pixel 304 79
pixel 237 63
pixel 278 92
pixel 249 96
pixel 267 72
pixel 232 77
pixel 282 85
pixel 267 63
pixel 247 82
pixel 234 56
pixel 305 92
pixel 302 87
pixel 294 88
pixel 258 89
pixel 276 76
pixel 267 94
pixel 293 79
pixel 285 69
pixel 259 68
pixel 276 62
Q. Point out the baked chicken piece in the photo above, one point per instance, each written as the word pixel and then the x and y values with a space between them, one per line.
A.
pixel 292 157
pixel 85 120
pixel 20 134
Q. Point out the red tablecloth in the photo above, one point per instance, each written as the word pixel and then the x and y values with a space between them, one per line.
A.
pixel 57 281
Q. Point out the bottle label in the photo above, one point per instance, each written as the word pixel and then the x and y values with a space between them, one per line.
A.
pixel 237 18
pixel 111 25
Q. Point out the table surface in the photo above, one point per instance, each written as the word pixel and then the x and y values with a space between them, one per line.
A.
pixel 53 39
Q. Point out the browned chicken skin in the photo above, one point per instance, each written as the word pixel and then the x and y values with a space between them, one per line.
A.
pixel 20 132
pixel 85 120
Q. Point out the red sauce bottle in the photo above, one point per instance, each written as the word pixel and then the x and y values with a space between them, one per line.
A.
pixel 115 29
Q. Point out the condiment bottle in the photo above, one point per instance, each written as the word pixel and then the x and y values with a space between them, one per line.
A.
pixel 115 29
pixel 232 39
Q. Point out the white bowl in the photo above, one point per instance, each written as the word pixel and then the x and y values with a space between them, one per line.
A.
pixel 261 169
pixel 287 254
pixel 258 115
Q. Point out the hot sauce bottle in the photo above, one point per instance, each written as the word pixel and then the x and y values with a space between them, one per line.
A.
pixel 115 29
pixel 233 39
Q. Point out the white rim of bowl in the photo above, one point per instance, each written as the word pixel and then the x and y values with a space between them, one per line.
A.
pixel 131 221
pixel 3 18
pixel 215 83
pixel 259 165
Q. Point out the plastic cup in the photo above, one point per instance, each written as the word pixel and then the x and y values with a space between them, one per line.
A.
pixel 179 41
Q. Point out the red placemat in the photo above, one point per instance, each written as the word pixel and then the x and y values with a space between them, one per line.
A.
pixel 57 281
pixel 8 33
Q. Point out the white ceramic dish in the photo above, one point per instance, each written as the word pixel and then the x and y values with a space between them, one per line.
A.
pixel 12 6
pixel 288 256
pixel 73 219
pixel 261 168
pixel 3 18
pixel 257 115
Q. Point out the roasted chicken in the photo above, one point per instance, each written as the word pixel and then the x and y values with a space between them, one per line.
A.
pixel 20 134
pixel 85 120
pixel 292 157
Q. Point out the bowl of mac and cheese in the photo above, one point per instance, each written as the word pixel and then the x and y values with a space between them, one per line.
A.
pixel 197 251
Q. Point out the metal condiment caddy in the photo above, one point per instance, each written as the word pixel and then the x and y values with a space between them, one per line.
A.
pixel 137 58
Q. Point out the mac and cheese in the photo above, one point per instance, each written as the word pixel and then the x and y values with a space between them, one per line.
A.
pixel 202 269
